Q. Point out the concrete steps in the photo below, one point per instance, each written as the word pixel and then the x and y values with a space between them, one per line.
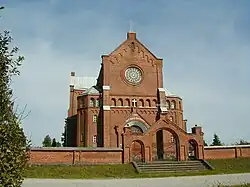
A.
pixel 171 166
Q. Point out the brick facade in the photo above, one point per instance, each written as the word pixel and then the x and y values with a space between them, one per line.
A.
pixel 128 108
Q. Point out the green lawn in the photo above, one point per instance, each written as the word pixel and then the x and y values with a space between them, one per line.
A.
pixel 127 170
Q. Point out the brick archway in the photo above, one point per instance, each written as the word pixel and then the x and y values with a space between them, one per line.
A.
pixel 193 151
pixel 137 151
pixel 167 145
pixel 179 135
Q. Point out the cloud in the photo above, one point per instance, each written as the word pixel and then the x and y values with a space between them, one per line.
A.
pixel 205 47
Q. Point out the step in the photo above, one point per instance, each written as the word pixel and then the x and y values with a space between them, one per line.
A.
pixel 146 167
pixel 189 167
pixel 170 171
pixel 172 164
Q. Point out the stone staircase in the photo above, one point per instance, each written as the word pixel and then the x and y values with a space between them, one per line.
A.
pixel 172 166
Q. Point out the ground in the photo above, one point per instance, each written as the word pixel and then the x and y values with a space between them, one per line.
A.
pixel 186 181
pixel 224 166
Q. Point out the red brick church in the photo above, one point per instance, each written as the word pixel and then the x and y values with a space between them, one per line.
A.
pixel 126 106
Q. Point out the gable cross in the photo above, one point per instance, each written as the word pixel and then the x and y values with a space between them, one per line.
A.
pixel 134 102
pixel 131 24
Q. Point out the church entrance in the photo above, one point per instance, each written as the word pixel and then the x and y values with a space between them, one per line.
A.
pixel 137 151
pixel 166 145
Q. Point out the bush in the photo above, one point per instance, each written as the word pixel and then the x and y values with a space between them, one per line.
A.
pixel 13 144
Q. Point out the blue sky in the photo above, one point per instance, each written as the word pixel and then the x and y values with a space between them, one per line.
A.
pixel 205 46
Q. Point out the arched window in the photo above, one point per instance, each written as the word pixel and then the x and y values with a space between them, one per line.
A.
pixel 91 102
pixel 173 105
pixel 97 104
pixel 148 103
pixel 154 102
pixel 180 105
pixel 127 102
pixel 120 102
pixel 113 102
pixel 168 104
pixel 141 102
pixel 136 130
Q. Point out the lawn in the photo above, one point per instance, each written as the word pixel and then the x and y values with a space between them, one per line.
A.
pixel 223 166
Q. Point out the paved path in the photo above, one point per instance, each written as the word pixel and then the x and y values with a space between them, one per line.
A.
pixel 190 181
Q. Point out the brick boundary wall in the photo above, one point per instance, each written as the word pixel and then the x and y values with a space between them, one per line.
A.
pixel 75 155
pixel 220 152
pixel 86 156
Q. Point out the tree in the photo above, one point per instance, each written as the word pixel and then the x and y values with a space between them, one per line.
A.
pixel 14 153
pixel 242 142
pixel 64 134
pixel 205 143
pixel 216 141
pixel 47 141
pixel 58 144
pixel 53 142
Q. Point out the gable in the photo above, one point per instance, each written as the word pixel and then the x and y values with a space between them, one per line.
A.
pixel 132 45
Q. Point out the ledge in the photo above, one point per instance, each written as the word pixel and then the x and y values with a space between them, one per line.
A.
pixel 84 149
pixel 226 146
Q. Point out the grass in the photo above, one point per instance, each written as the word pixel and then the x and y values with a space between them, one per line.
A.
pixel 223 166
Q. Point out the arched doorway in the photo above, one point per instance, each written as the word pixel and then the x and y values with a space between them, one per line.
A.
pixel 192 150
pixel 167 145
pixel 137 151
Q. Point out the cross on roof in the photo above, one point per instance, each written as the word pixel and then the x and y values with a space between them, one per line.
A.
pixel 131 24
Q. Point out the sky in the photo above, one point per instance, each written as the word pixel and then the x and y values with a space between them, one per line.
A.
pixel 205 46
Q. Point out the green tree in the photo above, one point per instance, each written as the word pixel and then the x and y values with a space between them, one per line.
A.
pixel 58 144
pixel 216 141
pixel 242 142
pixel 205 143
pixel 64 134
pixel 53 142
pixel 13 143
pixel 47 141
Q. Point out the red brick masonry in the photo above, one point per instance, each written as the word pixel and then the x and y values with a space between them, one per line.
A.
pixel 219 152
pixel 75 155
pixel 80 155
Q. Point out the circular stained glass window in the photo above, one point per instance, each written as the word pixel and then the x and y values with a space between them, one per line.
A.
pixel 133 75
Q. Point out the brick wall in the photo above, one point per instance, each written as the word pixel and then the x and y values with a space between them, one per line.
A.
pixel 68 155
pixel 78 155
pixel 219 152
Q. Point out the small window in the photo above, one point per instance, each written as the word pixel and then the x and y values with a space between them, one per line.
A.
pixel 171 118
pixel 173 105
pixel 168 104
pixel 91 102
pixel 172 139
pixel 97 103
pixel 94 118
pixel 94 139
pixel 82 137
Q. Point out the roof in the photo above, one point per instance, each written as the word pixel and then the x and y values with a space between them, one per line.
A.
pixel 91 91
pixel 82 83
pixel 168 93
